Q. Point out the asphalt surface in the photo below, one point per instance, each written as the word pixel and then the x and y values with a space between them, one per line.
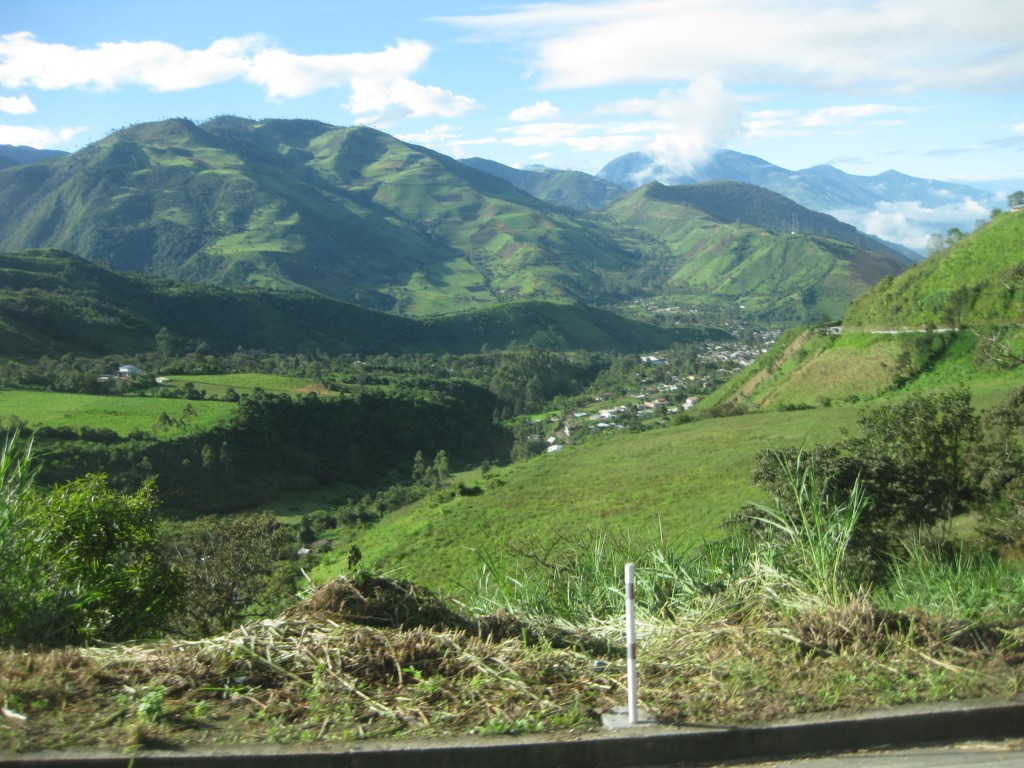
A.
pixel 830 739
pixel 1001 754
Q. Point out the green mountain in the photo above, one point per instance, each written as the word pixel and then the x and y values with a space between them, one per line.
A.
pixel 356 215
pixel 978 279
pixel 572 189
pixel 11 154
pixel 733 201
pixel 351 213
pixel 52 303
pixel 729 241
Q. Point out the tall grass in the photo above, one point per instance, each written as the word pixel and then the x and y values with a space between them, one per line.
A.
pixel 954 583
pixel 807 549
pixel 19 552
pixel 795 558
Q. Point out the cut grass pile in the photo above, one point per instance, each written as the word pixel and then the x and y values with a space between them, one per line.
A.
pixel 368 657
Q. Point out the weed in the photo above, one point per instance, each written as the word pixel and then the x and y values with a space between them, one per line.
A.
pixel 150 707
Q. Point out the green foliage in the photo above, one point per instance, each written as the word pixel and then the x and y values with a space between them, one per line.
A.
pixel 913 454
pixel 954 582
pixel 997 464
pixel 974 280
pixel 105 569
pixel 80 562
pixel 807 538
pixel 53 303
pixel 911 459
pixel 230 568
pixel 20 557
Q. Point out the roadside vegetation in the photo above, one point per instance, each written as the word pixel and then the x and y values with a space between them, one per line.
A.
pixel 845 587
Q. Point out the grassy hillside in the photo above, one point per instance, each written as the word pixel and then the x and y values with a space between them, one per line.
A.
pixel 351 213
pixel 571 189
pixel 790 277
pixel 978 280
pixel 357 215
pixel 735 202
pixel 53 303
pixel 811 368
pixel 683 481
pixel 680 482
pixel 123 415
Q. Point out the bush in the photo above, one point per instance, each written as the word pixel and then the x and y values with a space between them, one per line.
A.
pixel 79 563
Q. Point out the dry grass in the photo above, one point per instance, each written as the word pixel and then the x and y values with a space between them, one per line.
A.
pixel 373 658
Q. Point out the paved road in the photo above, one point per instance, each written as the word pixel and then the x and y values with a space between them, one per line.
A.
pixel 1003 754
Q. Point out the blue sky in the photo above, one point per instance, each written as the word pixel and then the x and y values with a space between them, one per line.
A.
pixel 930 89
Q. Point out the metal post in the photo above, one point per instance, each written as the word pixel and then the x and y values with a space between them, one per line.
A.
pixel 631 645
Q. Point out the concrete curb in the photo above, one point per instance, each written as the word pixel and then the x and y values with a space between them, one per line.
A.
pixel 639 746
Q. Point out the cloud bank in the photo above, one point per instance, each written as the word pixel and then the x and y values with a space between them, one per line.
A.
pixel 888 45
pixel 380 84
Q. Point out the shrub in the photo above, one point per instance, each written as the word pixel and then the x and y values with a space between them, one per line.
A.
pixel 79 563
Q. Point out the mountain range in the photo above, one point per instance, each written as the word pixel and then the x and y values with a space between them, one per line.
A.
pixel 891 205
pixel 357 215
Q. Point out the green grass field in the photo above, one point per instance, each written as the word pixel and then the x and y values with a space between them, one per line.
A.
pixel 123 415
pixel 217 385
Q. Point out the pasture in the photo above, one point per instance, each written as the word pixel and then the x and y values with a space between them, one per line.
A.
pixel 123 415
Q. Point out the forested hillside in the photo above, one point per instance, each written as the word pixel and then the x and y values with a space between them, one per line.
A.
pixel 54 303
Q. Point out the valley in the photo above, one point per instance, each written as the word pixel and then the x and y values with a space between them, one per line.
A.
pixel 315 435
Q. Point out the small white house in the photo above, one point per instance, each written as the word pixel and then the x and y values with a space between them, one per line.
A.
pixel 127 371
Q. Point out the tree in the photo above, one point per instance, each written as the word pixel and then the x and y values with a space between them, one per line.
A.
pixel 912 455
pixel 997 465
pixel 912 459
pixel 230 567
pixel 419 468
pixel 1016 199
pixel 441 470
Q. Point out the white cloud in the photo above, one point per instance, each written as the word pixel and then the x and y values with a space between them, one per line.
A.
pixel 794 123
pixel 288 75
pixel 697 121
pixel 968 45
pixel 542 110
pixel 25 62
pixel 41 138
pixel 379 82
pixel 17 105
pixel 387 102
pixel 911 223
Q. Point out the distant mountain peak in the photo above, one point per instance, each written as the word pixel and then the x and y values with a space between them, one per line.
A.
pixel 911 208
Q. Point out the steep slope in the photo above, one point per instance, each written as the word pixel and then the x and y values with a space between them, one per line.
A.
pixel 351 213
pixel 53 303
pixel 977 280
pixel 788 277
pixel 731 201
